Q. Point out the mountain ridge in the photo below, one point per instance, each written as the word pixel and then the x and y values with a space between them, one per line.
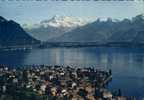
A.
pixel 11 33
pixel 108 31
pixel 54 27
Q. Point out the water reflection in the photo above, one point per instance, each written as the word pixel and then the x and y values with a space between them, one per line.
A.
pixel 13 58
pixel 116 58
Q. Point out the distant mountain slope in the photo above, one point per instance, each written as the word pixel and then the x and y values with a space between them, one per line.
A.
pixel 133 31
pixel 54 27
pixel 104 32
pixel 93 32
pixel 139 37
pixel 11 33
pixel 123 36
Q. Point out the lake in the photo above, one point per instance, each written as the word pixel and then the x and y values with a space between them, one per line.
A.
pixel 127 64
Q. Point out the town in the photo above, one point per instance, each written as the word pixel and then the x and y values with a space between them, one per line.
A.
pixel 41 82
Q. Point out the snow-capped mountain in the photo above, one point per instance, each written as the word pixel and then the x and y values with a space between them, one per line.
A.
pixel 54 27
pixel 124 32
pixel 63 21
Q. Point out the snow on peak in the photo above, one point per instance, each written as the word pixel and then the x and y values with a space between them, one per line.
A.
pixel 63 21
pixel 58 22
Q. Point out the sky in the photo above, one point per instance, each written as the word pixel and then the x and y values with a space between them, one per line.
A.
pixel 34 11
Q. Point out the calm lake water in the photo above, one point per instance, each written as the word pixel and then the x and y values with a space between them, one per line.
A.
pixel 127 64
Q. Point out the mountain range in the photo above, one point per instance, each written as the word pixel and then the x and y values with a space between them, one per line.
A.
pixel 54 27
pixel 67 29
pixel 109 31
pixel 11 33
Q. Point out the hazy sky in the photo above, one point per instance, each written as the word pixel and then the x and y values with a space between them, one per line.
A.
pixel 34 11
